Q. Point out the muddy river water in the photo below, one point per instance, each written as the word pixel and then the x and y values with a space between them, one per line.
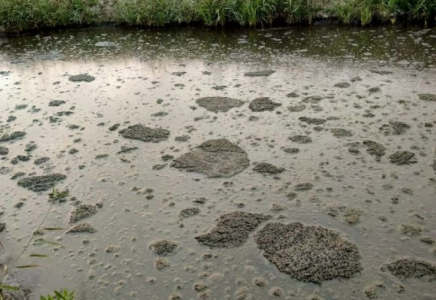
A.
pixel 201 164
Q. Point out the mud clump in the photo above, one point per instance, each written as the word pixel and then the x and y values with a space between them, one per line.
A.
pixel 163 247
pixel 214 158
pixel 260 73
pixel 182 138
pixel 167 157
pixel 374 90
pixel 41 160
pixel 372 291
pixel 158 167
pixel 82 211
pixel 13 136
pixel 125 149
pixel 232 230
pixel 82 228
pixel 292 95
pixel 114 127
pixel 81 78
pixel 301 139
pixel 342 85
pixel 292 150
pixel 410 230
pixel 349 214
pixel 41 183
pixel 411 268
pixel 381 72
pixel 427 97
pixel 374 148
pixel 161 263
pixel 4 151
pixel 145 134
pixel 312 121
pixel 303 186
pixel 189 212
pixel 394 128
pixel 427 240
pixel 297 108
pixel 267 168
pixel 308 253
pixel 160 114
pixel 263 104
pixel 56 102
pixel 219 104
pixel 339 132
pixel 403 158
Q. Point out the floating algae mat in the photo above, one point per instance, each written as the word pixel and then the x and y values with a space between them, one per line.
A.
pixel 199 164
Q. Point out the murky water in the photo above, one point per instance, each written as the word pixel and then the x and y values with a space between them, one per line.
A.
pixel 141 79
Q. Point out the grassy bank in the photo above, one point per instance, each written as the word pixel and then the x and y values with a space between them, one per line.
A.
pixel 21 15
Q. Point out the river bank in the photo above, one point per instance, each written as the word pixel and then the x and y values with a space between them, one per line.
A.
pixel 17 16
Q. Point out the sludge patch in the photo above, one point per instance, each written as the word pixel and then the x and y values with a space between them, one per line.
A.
pixel 427 97
pixel 82 211
pixel 145 134
pixel 267 168
pixel 394 128
pixel 309 253
pixel 259 73
pixel 232 230
pixel 263 104
pixel 41 183
pixel 214 158
pixel 403 158
pixel 411 268
pixel 163 247
pixel 219 104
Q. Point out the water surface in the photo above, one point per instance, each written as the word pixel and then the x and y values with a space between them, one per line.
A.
pixel 136 71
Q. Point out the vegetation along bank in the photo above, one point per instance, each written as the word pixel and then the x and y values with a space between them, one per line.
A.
pixel 23 15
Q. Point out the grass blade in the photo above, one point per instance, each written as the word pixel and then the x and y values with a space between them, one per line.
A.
pixel 27 266
pixel 42 241
pixel 59 295
pixel 38 255
pixel 10 288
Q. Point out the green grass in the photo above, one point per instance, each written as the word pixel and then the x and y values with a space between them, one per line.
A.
pixel 61 295
pixel 365 11
pixel 22 15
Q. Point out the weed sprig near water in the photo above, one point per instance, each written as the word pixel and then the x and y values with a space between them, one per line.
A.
pixel 22 15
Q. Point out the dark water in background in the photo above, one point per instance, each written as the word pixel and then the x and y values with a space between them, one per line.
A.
pixel 404 46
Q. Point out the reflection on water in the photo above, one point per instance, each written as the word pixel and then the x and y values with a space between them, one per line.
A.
pixel 407 46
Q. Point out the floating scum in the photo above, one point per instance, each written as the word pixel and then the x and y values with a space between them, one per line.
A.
pixel 214 158
pixel 307 253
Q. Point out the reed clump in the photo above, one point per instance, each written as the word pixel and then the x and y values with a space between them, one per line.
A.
pixel 22 15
